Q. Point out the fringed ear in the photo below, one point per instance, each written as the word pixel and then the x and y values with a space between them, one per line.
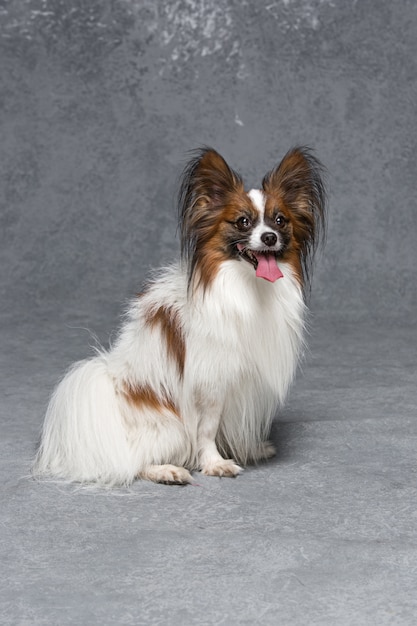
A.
pixel 207 183
pixel 298 183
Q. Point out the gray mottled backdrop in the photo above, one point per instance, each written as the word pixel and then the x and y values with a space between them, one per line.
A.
pixel 100 102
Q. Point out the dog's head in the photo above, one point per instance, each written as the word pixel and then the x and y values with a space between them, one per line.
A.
pixel 281 222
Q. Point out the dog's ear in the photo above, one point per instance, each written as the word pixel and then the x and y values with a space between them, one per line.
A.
pixel 298 183
pixel 208 184
pixel 207 180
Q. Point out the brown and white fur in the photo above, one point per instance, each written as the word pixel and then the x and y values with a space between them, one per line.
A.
pixel 207 352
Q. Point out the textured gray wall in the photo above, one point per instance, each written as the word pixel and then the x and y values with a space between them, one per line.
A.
pixel 100 102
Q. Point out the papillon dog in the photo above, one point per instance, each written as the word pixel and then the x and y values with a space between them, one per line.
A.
pixel 208 350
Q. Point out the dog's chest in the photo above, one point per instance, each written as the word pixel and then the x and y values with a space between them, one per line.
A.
pixel 244 328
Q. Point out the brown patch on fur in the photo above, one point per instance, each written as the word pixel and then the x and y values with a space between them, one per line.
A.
pixel 144 396
pixel 295 188
pixel 275 203
pixel 168 321
pixel 222 236
pixel 209 195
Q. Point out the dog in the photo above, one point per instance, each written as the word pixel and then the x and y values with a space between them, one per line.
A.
pixel 207 351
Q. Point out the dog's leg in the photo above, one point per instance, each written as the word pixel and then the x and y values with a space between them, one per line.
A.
pixel 211 462
pixel 167 474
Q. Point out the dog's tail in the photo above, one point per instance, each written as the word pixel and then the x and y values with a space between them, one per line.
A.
pixel 83 437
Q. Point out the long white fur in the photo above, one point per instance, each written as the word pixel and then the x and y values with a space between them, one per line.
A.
pixel 242 338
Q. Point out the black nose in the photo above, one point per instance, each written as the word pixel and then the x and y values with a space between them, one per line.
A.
pixel 269 239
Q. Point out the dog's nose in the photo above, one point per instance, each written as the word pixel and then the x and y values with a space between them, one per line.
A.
pixel 269 239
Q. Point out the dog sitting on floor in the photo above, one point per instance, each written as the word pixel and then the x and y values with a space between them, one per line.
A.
pixel 208 350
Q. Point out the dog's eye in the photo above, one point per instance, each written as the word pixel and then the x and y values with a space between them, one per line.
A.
pixel 280 220
pixel 243 223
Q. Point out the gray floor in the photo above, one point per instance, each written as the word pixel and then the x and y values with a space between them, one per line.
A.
pixel 324 534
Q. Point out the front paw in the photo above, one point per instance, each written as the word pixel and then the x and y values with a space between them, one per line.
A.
pixel 224 467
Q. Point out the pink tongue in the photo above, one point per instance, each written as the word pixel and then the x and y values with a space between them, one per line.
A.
pixel 267 267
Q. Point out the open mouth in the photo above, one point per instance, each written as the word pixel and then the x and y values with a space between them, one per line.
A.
pixel 264 262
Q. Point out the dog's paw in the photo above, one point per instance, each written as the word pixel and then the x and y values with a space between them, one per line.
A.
pixel 167 474
pixel 266 450
pixel 223 467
